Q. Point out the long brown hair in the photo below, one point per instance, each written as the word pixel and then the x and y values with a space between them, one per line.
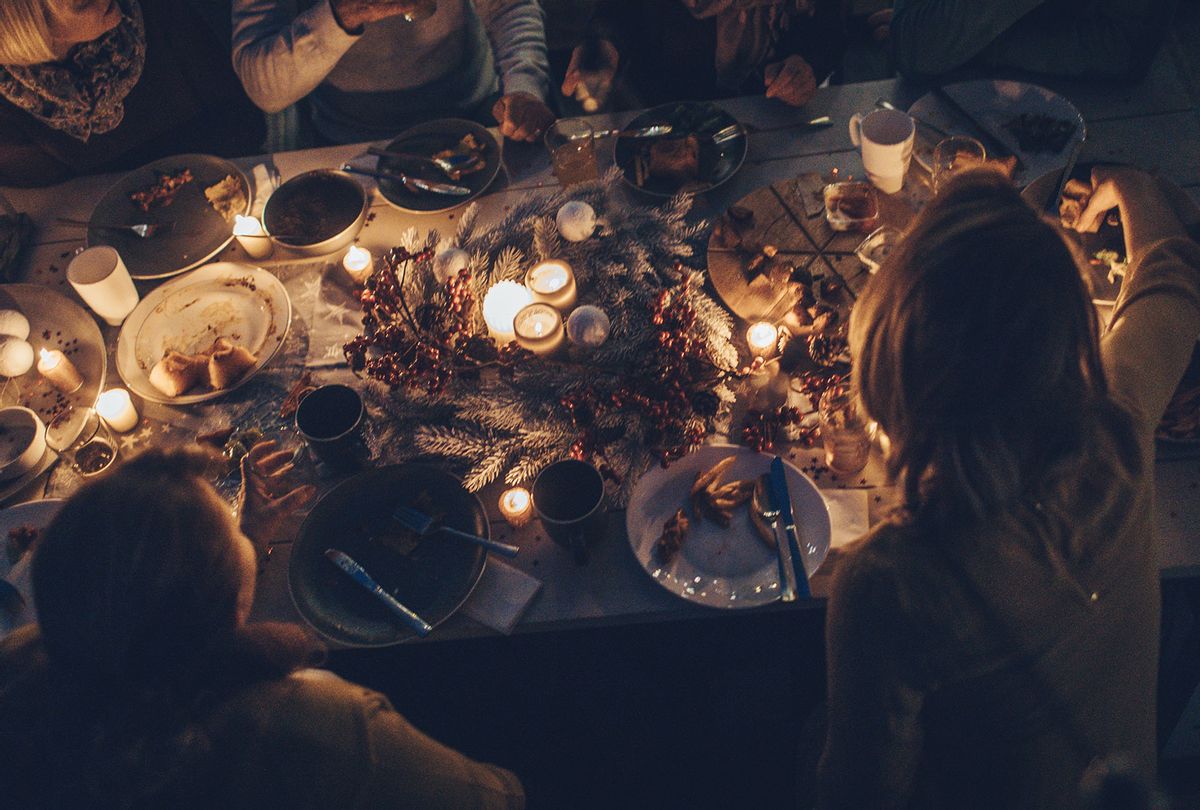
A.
pixel 977 350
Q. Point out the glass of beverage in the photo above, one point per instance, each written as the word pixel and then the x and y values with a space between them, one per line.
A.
pixel 573 151
pixel 845 431
pixel 953 155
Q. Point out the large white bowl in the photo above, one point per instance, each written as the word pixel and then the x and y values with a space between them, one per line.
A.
pixel 22 441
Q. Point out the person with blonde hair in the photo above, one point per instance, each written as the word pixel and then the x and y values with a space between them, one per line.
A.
pixel 145 685
pixel 999 634
pixel 90 86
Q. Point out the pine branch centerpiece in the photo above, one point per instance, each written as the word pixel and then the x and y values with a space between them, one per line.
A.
pixel 654 389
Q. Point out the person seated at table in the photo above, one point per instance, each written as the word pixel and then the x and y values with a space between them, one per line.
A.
pixel 1096 39
pixel 367 72
pixel 144 685
pixel 704 49
pixel 1000 632
pixel 94 86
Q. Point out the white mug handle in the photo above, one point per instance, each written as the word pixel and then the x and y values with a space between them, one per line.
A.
pixel 856 129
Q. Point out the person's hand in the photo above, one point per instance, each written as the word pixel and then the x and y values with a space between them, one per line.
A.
pixel 266 497
pixel 880 24
pixel 594 82
pixel 1147 215
pixel 522 116
pixel 352 15
pixel 791 81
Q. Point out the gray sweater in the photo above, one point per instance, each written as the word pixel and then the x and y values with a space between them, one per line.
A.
pixel 395 73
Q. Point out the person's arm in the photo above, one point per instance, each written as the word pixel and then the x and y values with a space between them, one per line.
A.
pixel 281 57
pixel 930 37
pixel 874 736
pixel 518 36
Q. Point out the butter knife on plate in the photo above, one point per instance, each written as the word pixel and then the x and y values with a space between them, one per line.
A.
pixel 781 499
pixel 357 573
pixel 410 182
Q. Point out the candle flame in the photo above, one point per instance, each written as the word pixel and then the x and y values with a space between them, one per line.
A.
pixel 49 359
pixel 515 501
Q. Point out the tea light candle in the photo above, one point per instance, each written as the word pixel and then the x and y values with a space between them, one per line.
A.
pixel 501 305
pixel 539 328
pixel 252 237
pixel 762 338
pixel 552 282
pixel 116 409
pixel 516 506
pixel 59 371
pixel 358 264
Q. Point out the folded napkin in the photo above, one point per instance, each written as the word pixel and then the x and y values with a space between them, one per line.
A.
pixel 265 183
pixel 848 512
pixel 502 596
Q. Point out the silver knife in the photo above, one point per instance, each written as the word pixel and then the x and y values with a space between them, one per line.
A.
pixel 781 499
pixel 655 131
pixel 995 146
pixel 410 182
pixel 357 573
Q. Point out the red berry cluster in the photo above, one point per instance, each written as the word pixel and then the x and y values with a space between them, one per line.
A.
pixel 815 383
pixel 763 426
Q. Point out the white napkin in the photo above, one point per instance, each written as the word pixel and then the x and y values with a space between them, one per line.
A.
pixel 502 596
pixel 848 512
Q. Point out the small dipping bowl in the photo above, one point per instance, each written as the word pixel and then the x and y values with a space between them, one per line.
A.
pixel 317 212
pixel 22 442
pixel 95 457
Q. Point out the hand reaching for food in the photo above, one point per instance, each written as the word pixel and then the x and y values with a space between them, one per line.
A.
pixel 522 116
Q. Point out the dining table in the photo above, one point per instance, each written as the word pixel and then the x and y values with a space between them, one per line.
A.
pixel 1145 124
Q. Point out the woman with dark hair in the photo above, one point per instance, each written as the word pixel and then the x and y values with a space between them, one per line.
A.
pixel 1000 632
pixel 144 686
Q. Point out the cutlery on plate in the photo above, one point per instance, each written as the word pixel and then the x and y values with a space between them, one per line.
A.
pixel 654 131
pixel 769 517
pixel 357 573
pixel 421 523
pixel 449 165
pixel 884 104
pixel 410 183
pixel 143 230
pixel 994 145
pixel 738 130
pixel 781 499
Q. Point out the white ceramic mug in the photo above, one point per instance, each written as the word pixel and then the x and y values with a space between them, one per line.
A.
pixel 102 281
pixel 886 140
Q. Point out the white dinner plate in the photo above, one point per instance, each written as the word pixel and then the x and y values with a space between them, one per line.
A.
pixel 36 515
pixel 995 103
pixel 244 304
pixel 721 567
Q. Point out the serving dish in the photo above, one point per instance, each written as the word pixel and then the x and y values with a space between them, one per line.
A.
pixel 316 212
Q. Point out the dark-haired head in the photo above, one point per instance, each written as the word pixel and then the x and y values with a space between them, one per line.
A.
pixel 976 349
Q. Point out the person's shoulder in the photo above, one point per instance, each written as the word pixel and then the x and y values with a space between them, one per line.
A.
pixel 310 691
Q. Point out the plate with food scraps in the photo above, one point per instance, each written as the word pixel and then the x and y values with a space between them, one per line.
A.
pixel 201 335
pixel 471 149
pixel 20 527
pixel 432 575
pixel 1034 123
pixel 689 158
pixel 56 323
pixel 723 566
pixel 195 199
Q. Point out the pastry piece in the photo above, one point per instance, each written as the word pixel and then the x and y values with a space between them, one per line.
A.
pixel 228 363
pixel 671 540
pixel 468 147
pixel 178 373
pixel 675 159
pixel 162 191
pixel 714 499
pixel 227 198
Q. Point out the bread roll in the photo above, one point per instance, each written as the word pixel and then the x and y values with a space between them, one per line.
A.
pixel 228 362
pixel 177 373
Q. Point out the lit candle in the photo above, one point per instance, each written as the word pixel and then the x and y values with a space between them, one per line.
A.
pixel 252 237
pixel 762 338
pixel 539 328
pixel 553 283
pixel 116 409
pixel 516 506
pixel 501 305
pixel 59 371
pixel 358 264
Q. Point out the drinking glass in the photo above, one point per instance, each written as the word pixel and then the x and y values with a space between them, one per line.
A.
pixel 953 155
pixel 572 150
pixel 845 431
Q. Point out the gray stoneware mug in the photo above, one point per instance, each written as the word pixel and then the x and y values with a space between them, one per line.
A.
pixel 568 497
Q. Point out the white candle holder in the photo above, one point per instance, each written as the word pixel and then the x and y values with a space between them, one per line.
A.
pixel 553 282
pixel 516 507
pixel 358 264
pixel 117 410
pixel 539 328
pixel 500 307
pixel 252 237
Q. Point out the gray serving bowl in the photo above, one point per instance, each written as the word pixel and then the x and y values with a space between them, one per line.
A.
pixel 316 212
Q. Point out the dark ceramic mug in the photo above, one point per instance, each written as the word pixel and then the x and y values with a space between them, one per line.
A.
pixel 568 497
pixel 330 418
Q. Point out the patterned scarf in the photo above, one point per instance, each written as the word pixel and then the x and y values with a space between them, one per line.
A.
pixel 748 32
pixel 83 94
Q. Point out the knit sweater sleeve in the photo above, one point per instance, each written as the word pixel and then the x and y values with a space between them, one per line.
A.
pixel 518 36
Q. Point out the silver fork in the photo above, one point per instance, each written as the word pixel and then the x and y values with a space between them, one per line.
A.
pixel 421 523
pixel 143 230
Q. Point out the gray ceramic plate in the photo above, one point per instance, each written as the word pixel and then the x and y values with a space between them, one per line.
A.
pixel 199 232
pixel 426 139
pixel 433 575
pixel 718 163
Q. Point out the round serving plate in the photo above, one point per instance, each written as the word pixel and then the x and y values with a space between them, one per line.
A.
pixel 427 139
pixel 34 515
pixel 718 162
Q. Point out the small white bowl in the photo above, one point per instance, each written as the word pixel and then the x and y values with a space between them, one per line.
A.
pixel 22 442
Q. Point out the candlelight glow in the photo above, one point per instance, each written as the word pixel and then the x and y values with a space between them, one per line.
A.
pixel 539 328
pixel 358 264
pixel 501 305
pixel 552 282
pixel 48 361
pixel 247 226
pixel 516 506
pixel 116 408
pixel 762 338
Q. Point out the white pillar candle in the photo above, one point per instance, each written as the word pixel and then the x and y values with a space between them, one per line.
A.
pixel 762 338
pixel 358 264
pixel 553 283
pixel 59 371
pixel 501 305
pixel 116 409
pixel 539 328
pixel 516 506
pixel 252 237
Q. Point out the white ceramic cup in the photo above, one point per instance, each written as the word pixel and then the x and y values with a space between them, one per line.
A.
pixel 102 281
pixel 886 140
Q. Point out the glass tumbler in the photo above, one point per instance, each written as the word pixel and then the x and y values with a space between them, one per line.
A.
pixel 845 431
pixel 572 148
pixel 955 154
